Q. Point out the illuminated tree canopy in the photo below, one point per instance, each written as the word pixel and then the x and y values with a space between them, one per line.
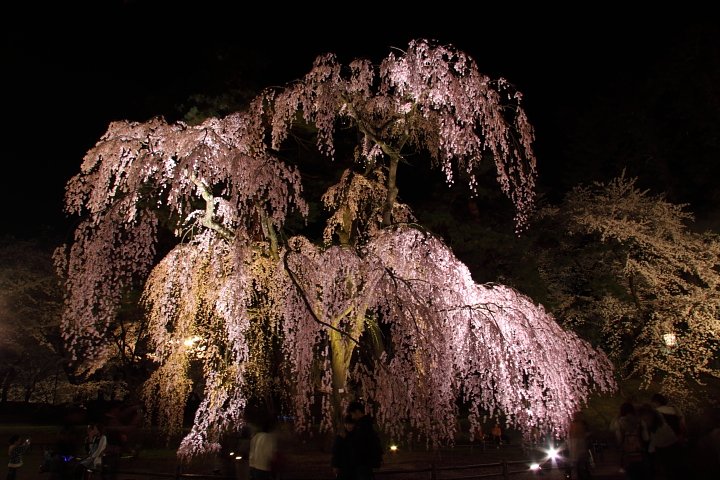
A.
pixel 375 307
pixel 655 294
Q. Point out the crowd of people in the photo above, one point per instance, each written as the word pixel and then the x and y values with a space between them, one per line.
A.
pixel 356 450
pixel 63 462
pixel 653 440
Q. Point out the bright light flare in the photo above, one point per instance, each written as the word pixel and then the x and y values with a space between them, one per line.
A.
pixel 534 467
pixel 190 341
pixel 394 448
pixel 553 453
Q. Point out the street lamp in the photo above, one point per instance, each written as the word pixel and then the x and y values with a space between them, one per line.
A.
pixel 669 339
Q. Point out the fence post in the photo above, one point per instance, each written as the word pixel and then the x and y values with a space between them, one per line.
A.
pixel 178 472
pixel 505 470
pixel 433 472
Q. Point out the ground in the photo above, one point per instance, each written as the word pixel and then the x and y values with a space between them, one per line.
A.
pixel 301 460
pixel 306 460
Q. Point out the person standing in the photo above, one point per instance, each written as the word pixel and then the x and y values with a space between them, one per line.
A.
pixel 496 433
pixel 579 448
pixel 95 445
pixel 365 443
pixel 263 453
pixel 632 437
pixel 669 439
pixel 343 458
pixel 16 449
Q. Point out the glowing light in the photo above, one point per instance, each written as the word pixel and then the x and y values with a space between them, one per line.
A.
pixel 670 339
pixel 393 448
pixel 238 457
pixel 534 467
pixel 553 453
pixel 189 342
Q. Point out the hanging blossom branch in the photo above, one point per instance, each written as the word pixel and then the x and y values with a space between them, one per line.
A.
pixel 432 97
pixel 138 169
pixel 303 294
pixel 517 344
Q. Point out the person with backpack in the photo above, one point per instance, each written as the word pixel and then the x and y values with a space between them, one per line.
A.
pixel 364 442
pixel 668 436
pixel 632 438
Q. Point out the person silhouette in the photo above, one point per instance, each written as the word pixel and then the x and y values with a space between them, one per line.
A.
pixel 16 448
pixel 343 455
pixel 496 433
pixel 365 442
pixel 95 445
pixel 579 448
pixel 263 452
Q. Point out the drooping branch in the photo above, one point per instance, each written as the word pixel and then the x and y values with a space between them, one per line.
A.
pixel 308 304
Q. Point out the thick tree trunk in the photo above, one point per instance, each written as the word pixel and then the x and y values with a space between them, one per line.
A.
pixel 341 350
pixel 342 347
pixel 392 191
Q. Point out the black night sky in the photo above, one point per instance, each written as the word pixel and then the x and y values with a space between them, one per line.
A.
pixel 585 75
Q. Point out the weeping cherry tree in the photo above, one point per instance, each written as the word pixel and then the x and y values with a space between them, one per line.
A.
pixel 377 308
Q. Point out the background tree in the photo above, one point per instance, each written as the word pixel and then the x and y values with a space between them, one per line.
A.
pixel 30 305
pixel 629 274
pixel 370 306
pixel 650 120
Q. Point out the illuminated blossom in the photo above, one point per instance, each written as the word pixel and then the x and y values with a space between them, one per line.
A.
pixel 377 308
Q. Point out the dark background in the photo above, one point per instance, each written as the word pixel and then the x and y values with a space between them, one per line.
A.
pixel 605 88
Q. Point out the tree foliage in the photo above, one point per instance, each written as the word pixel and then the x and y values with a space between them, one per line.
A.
pixel 30 304
pixel 375 307
pixel 632 271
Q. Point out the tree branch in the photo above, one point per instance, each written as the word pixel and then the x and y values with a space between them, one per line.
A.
pixel 295 281
pixel 208 220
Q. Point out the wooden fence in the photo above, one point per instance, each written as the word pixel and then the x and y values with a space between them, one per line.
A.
pixel 504 470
